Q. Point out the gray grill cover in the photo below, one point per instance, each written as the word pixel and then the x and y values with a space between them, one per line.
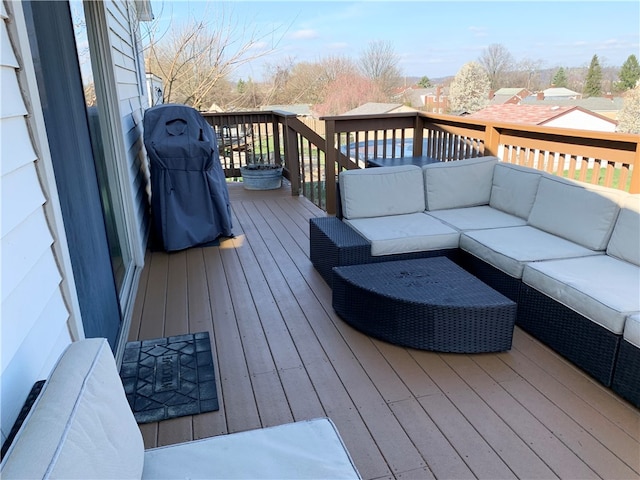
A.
pixel 189 196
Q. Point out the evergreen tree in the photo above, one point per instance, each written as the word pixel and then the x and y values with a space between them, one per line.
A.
pixel 424 82
pixel 469 90
pixel 560 78
pixel 629 74
pixel 593 81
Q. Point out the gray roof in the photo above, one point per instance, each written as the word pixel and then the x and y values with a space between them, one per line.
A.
pixel 595 104
pixel 298 109
pixel 373 108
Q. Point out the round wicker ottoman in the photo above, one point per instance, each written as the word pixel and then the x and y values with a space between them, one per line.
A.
pixel 428 303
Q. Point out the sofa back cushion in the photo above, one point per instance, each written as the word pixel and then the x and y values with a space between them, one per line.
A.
pixel 81 425
pixel 582 213
pixel 625 239
pixel 514 189
pixel 459 183
pixel 381 191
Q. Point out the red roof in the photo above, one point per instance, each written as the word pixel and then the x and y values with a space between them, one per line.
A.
pixel 529 114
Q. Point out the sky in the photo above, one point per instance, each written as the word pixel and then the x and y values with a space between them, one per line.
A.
pixel 431 38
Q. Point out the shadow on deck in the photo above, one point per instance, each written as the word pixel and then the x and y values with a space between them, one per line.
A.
pixel 283 355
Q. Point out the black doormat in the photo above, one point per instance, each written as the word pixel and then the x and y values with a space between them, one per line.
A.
pixel 169 377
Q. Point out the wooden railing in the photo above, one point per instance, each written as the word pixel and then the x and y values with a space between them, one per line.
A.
pixel 608 159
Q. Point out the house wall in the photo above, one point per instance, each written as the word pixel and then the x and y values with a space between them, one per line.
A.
pixel 40 315
pixel 38 308
pixel 582 120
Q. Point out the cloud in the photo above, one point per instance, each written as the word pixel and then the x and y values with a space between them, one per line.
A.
pixel 304 34
pixel 478 31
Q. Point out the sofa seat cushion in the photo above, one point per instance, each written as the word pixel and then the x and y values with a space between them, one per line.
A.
pixel 81 425
pixel 601 288
pixel 415 232
pixel 514 188
pixel 477 218
pixel 509 249
pixel 582 213
pixel 306 449
pixel 459 183
pixel 382 191
pixel 625 239
pixel 632 329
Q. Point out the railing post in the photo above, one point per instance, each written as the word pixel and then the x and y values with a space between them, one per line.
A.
pixel 292 157
pixel 635 172
pixel 330 160
pixel 491 140
pixel 418 135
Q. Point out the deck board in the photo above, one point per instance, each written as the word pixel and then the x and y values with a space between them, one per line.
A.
pixel 282 354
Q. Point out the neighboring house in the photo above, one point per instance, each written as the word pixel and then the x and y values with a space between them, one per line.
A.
pixel 74 174
pixel 558 93
pixel 509 95
pixel 431 100
pixel 373 108
pixel 550 116
pixel 606 106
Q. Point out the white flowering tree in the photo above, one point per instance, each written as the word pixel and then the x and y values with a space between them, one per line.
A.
pixel 469 90
pixel 628 117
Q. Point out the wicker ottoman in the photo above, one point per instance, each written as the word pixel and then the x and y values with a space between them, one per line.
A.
pixel 429 303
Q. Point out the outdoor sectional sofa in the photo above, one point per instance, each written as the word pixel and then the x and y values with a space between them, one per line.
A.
pixel 81 426
pixel 567 252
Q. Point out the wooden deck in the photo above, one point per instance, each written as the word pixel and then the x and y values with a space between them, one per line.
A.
pixel 283 355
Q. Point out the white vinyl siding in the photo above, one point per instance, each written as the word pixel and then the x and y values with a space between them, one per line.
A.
pixel 124 40
pixel 34 317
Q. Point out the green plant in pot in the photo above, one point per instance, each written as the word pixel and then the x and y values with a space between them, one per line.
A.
pixel 261 174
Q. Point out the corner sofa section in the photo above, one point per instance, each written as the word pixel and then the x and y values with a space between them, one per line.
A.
pixel 565 251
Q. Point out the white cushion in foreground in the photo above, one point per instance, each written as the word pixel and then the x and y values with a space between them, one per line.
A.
pixel 300 450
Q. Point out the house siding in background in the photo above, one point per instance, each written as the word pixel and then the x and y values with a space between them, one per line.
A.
pixel 39 313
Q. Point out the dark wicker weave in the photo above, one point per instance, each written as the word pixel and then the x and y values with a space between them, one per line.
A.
pixel 428 303
pixel 333 243
pixel 626 376
pixel 588 345
pixel 498 280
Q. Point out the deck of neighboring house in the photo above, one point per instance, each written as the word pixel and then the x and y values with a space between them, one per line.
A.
pixel 282 355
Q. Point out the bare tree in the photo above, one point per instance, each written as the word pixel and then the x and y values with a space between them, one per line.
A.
pixel 346 92
pixel 469 90
pixel 497 61
pixel 379 63
pixel 194 57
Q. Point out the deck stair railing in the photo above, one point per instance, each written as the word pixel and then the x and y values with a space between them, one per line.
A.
pixel 608 159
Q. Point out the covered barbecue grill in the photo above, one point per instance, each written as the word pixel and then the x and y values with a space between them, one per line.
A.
pixel 189 196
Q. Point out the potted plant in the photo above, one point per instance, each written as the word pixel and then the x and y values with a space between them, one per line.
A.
pixel 260 174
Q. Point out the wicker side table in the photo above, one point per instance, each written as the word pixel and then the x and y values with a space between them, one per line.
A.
pixel 429 303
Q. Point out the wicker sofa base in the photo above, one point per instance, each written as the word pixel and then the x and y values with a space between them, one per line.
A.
pixel 498 280
pixel 585 343
pixel 626 376
pixel 428 303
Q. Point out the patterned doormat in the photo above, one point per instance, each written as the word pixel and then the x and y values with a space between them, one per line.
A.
pixel 169 377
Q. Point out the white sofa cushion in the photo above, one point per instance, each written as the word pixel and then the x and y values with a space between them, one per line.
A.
pixel 414 232
pixel 625 239
pixel 632 329
pixel 477 218
pixel 459 183
pixel 307 449
pixel 579 212
pixel 514 188
pixel 376 192
pixel 509 249
pixel 81 425
pixel 601 288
